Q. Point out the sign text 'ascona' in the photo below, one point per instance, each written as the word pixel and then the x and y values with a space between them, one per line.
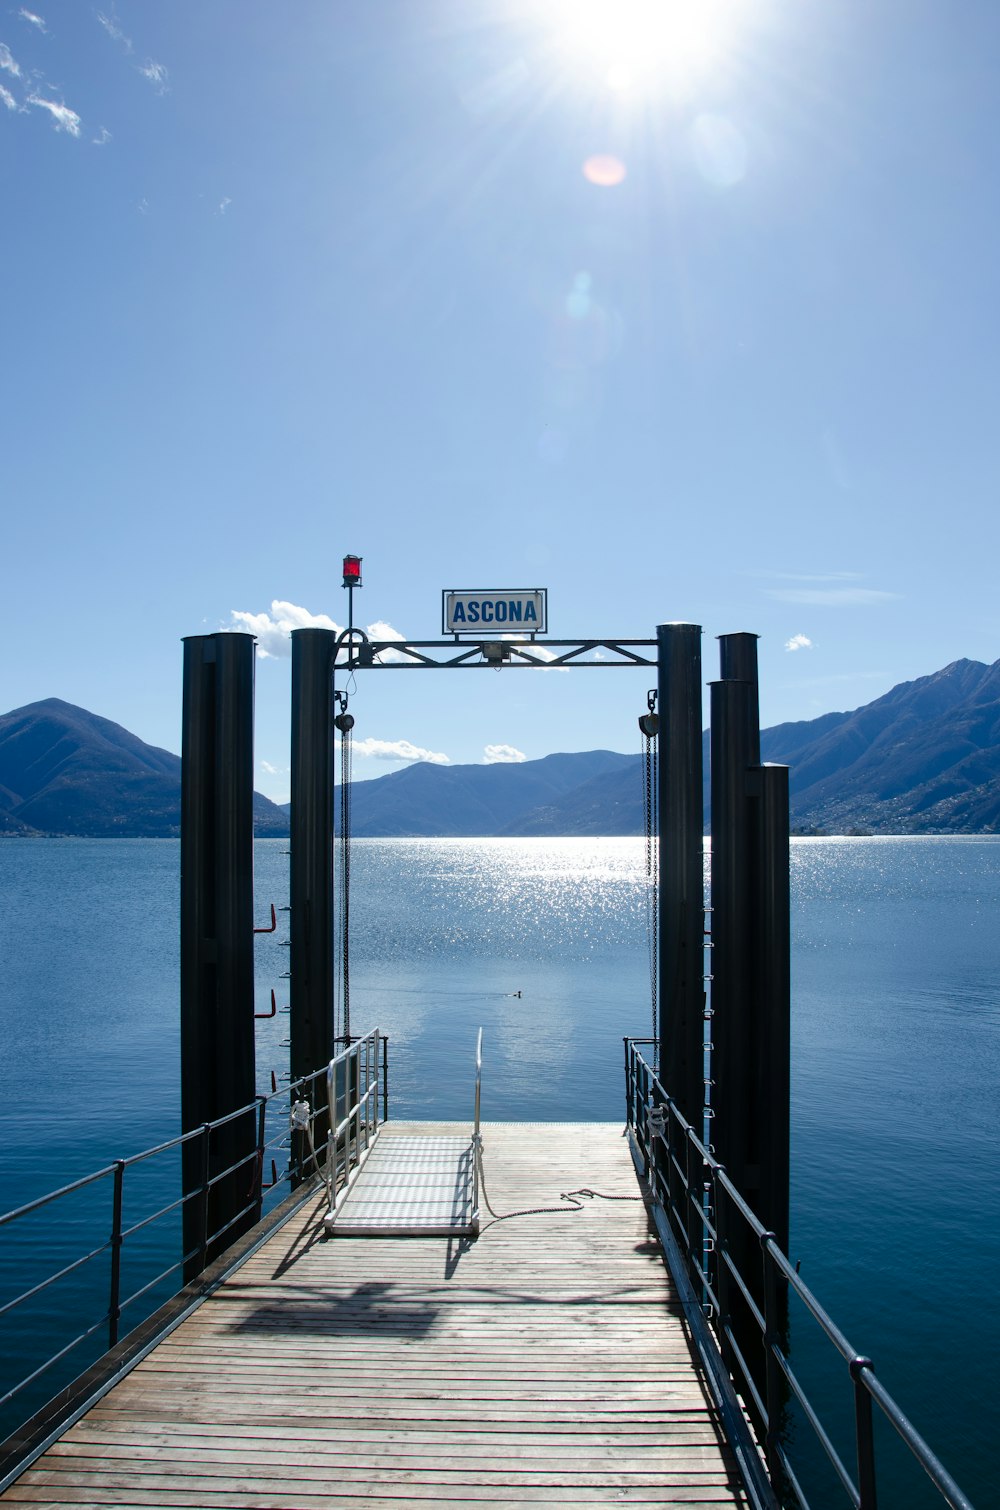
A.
pixel 495 611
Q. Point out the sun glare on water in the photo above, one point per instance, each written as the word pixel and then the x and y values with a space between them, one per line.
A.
pixel 638 43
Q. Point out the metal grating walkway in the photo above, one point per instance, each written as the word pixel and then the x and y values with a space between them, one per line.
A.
pixel 413 1183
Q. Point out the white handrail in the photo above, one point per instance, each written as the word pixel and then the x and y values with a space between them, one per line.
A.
pixel 353 1112
pixel 477 1141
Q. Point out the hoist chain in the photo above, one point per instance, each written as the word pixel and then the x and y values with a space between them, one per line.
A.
pixel 345 723
pixel 649 727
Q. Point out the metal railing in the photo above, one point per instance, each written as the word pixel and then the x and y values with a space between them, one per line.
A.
pixel 477 1141
pixel 133 1235
pixel 354 1078
pixel 699 1211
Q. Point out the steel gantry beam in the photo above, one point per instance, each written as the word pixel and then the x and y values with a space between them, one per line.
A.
pixel 358 653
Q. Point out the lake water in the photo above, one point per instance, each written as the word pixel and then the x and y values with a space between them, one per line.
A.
pixel 895 1049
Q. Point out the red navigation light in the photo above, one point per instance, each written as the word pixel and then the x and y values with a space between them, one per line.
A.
pixel 352 571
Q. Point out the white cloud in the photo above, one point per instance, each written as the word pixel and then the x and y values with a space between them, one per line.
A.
pixel 156 74
pixel 102 138
pixel 27 15
pixel 274 629
pixel 799 642
pixel 63 118
pixel 397 749
pixel 380 630
pixel 830 597
pixel 8 62
pixel 535 651
pixel 502 755
pixel 548 655
pixel 224 205
pixel 114 31
pixel 7 98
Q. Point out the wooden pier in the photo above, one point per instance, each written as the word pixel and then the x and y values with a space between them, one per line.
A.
pixel 546 1362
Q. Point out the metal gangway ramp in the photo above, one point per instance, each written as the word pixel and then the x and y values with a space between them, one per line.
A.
pixel 414 1183
pixel 398 1180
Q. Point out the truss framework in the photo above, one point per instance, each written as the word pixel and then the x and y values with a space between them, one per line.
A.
pixel 358 653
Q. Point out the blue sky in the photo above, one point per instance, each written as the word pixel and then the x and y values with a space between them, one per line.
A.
pixel 681 310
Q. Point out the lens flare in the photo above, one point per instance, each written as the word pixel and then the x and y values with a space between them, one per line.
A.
pixel 605 171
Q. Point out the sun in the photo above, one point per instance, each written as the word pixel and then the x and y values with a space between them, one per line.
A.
pixel 632 43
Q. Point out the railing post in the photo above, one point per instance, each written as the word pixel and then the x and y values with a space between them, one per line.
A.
pixel 331 1141
pixel 353 1099
pixel 261 1139
pixel 374 1084
pixel 335 1081
pixel 723 1286
pixel 675 1207
pixel 114 1302
pixel 650 1150
pixel 640 1090
pixel 629 1117
pixel 317 1100
pixel 206 1176
pixel 865 1435
pixel 694 1226
pixel 773 1391
pixel 640 1104
pixel 657 1145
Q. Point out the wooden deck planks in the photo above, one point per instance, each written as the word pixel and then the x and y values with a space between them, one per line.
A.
pixel 544 1363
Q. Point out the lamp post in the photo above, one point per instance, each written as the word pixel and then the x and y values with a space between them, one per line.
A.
pixel 352 579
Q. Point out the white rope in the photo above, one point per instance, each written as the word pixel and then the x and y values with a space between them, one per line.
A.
pixel 576 1199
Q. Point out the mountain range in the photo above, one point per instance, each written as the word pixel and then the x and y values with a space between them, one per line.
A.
pixel 66 771
pixel 925 758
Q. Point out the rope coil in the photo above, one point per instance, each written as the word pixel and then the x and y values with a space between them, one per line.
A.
pixel 575 1198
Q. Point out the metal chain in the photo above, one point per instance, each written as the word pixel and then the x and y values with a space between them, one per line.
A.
pixel 650 830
